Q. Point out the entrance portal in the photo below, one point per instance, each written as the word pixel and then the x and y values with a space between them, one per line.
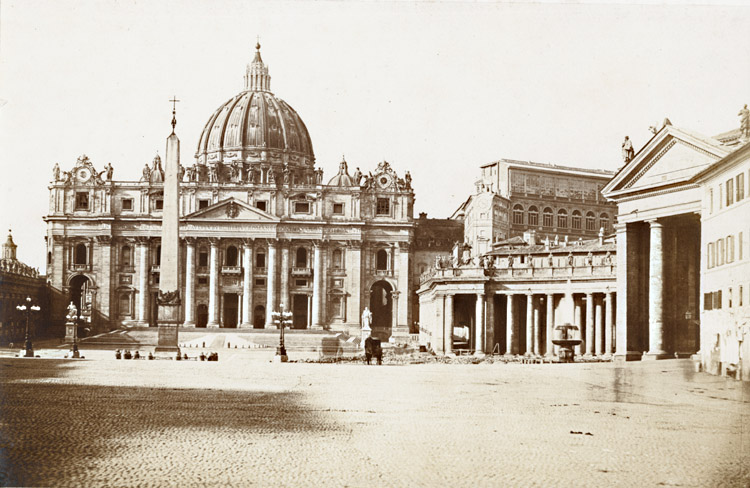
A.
pixel 381 306
pixel 231 306
pixel 299 311
pixel 201 315
pixel 259 317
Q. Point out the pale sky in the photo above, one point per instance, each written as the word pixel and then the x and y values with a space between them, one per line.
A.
pixel 434 88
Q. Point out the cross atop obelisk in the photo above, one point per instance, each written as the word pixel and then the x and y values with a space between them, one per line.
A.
pixel 174 112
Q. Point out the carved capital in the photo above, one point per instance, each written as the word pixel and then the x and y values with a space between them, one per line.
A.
pixel 190 241
pixel 214 241
pixel 142 240
pixel 104 239
pixel 248 242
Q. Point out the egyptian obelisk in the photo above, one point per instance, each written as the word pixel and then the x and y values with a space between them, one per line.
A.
pixel 169 286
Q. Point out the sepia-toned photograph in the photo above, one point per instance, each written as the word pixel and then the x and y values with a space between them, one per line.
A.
pixel 420 243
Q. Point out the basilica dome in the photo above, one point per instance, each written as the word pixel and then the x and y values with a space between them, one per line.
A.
pixel 256 126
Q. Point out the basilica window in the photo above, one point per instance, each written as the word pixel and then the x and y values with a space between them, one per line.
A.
pixel 337 307
pixel 260 260
pixel 301 258
pixel 260 282
pixel 302 207
pixel 125 304
pixel 202 204
pixel 338 209
pixel 230 259
pixel 337 258
pixel 158 256
pixel 127 204
pixel 575 220
pixel 383 206
pixel 533 216
pixel 381 260
pixel 604 222
pixel 159 204
pixel 261 205
pixel 590 221
pixel 517 214
pixel 82 200
pixel 547 217
pixel 562 218
pixel 125 256
pixel 81 254
pixel 203 257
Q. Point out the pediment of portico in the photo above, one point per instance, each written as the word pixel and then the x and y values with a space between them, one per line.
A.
pixel 230 210
pixel 670 159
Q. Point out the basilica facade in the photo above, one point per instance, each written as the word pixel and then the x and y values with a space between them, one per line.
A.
pixel 260 231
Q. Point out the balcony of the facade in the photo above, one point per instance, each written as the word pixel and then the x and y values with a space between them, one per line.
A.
pixel 202 270
pixel 155 268
pixel 80 267
pixel 126 268
pixel 301 272
pixel 259 271
pixel 231 270
pixel 383 272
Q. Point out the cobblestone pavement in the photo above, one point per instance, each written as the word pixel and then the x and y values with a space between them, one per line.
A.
pixel 244 421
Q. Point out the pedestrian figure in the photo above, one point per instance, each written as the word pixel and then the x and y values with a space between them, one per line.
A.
pixel 368 349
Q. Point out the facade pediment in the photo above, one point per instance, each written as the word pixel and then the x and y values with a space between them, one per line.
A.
pixel 671 158
pixel 231 210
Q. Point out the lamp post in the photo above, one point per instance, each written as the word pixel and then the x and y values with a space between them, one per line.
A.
pixel 76 322
pixel 281 319
pixel 27 308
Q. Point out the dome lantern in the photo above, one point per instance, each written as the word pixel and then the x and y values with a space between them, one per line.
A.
pixel 256 74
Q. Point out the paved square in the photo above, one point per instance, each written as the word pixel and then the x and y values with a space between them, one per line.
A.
pixel 244 421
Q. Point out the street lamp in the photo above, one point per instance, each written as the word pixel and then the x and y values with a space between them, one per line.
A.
pixel 27 308
pixel 281 319
pixel 76 322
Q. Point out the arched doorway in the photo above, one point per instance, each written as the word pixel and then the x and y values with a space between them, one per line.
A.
pixel 201 315
pixel 381 306
pixel 259 317
pixel 81 294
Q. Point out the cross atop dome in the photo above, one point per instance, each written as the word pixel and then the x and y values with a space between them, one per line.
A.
pixel 256 73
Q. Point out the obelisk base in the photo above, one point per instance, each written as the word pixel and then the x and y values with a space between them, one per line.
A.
pixel 168 319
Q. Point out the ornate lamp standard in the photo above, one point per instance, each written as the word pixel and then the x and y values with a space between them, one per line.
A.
pixel 281 319
pixel 27 308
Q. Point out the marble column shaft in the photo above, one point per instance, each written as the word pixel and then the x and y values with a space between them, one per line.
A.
pixel 213 286
pixel 656 292
pixel 537 332
pixel 190 283
pixel 550 349
pixel 529 324
pixel 609 315
pixel 317 306
pixel 247 286
pixel 590 339
pixel 479 337
pixel 143 291
pixel 271 284
pixel 284 278
pixel 448 331
pixel 599 320
pixel 509 326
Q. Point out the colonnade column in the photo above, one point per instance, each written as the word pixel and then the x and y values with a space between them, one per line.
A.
pixel 550 324
pixel 317 305
pixel 189 282
pixel 577 322
pixel 589 324
pixel 480 328
pixel 271 283
pixel 599 321
pixel 489 328
pixel 537 332
pixel 609 315
pixel 448 327
pixel 509 326
pixel 247 284
pixel 142 280
pixel 656 294
pixel 529 324
pixel 284 279
pixel 213 285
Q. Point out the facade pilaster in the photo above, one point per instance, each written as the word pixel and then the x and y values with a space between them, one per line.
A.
pixel 189 282
pixel 213 285
pixel 656 293
pixel 271 283
pixel 247 284
pixel 106 263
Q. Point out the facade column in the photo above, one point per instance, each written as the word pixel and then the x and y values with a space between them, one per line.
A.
pixel 509 326
pixel 318 305
pixel 448 326
pixel 143 244
pixel 608 316
pixel 189 282
pixel 309 311
pixel 599 321
pixel 480 327
pixel 213 285
pixel 489 328
pixel 529 324
pixel 656 294
pixel 550 350
pixel 577 322
pixel 271 283
pixel 627 293
pixel 247 284
pixel 284 278
pixel 590 324
pixel 395 295
pixel 537 332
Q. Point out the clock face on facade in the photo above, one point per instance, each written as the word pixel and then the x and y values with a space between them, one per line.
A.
pixel 384 181
pixel 84 174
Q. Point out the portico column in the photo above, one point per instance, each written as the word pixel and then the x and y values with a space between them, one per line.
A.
pixel 656 294
pixel 599 329
pixel 284 278
pixel 142 281
pixel 247 285
pixel 213 285
pixel 577 322
pixel 628 272
pixel 609 314
pixel 448 331
pixel 589 324
pixel 509 326
pixel 317 305
pixel 189 282
pixel 537 332
pixel 271 284
pixel 309 311
pixel 529 324
pixel 489 328
pixel 480 328
pixel 395 294
pixel 550 324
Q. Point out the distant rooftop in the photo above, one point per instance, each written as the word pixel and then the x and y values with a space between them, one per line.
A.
pixel 602 172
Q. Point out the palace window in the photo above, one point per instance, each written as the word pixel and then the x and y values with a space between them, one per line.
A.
pixel 383 206
pixel 230 258
pixel 739 246
pixel 590 221
pixel 562 218
pixel 381 260
pixel 261 205
pixel 547 217
pixel 337 258
pixel 575 220
pixel 533 216
pixel 260 260
pixel 338 209
pixel 740 186
pixel 302 207
pixel 730 191
pixel 604 222
pixel 127 204
pixel 730 249
pixel 203 257
pixel 202 204
pixel 711 200
pixel 301 258
pixel 82 200
pixel 81 254
pixel 711 262
pixel 720 247
pixel 517 214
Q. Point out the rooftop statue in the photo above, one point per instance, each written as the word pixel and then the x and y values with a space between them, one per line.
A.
pixel 744 121
pixel 627 150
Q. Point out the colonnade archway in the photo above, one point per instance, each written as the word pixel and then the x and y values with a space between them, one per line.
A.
pixel 381 306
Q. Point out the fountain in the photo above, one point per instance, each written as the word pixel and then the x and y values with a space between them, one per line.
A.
pixel 566 352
